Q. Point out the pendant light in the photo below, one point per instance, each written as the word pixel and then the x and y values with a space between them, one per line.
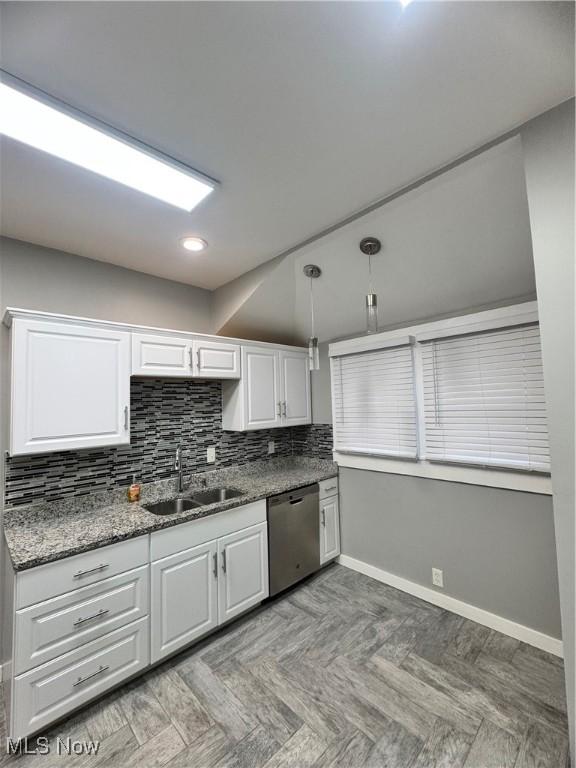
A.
pixel 371 246
pixel 312 271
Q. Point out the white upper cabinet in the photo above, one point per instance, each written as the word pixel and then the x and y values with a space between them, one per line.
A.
pixel 71 379
pixel 70 387
pixel 261 388
pixel 181 356
pixel 161 355
pixel 274 391
pixel 294 368
pixel 216 360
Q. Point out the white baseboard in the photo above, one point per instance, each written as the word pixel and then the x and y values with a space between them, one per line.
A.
pixel 479 615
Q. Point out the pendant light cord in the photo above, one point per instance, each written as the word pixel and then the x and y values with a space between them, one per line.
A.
pixel 370 286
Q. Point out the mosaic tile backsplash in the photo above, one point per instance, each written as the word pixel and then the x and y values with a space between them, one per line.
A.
pixel 164 413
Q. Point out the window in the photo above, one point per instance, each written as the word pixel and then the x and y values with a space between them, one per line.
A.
pixel 460 399
pixel 374 403
pixel 484 400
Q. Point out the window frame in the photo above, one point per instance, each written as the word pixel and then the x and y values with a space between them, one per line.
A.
pixel 473 474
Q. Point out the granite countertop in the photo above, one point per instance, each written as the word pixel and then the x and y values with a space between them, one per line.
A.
pixel 41 533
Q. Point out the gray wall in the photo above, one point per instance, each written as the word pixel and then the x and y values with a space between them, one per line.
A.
pixel 496 547
pixel 53 281
pixel 548 144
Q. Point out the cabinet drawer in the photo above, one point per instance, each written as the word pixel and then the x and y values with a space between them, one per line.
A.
pixel 49 629
pixel 54 689
pixel 328 487
pixel 180 537
pixel 54 579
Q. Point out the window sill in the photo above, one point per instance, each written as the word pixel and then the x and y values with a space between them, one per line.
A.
pixel 493 478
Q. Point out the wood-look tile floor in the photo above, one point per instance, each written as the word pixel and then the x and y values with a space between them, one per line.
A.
pixel 343 672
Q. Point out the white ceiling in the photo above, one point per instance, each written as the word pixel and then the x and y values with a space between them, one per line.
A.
pixel 458 242
pixel 305 112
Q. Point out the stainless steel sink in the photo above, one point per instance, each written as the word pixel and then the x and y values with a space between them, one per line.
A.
pixel 213 495
pixel 172 506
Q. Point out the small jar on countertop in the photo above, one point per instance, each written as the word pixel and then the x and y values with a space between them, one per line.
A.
pixel 134 490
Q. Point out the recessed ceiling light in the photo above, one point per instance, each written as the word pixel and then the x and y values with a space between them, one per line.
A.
pixel 84 142
pixel 404 3
pixel 195 244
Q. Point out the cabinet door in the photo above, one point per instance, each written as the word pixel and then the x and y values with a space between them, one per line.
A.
pixel 295 374
pixel 329 529
pixel 243 582
pixel 184 598
pixel 213 360
pixel 262 400
pixel 161 355
pixel 70 387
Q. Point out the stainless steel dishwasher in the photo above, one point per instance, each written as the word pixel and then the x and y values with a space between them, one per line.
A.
pixel 293 537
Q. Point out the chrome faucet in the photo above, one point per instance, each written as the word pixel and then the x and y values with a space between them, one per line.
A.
pixel 178 468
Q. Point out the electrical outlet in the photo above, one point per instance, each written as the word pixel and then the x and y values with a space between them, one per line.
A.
pixel 211 454
pixel 271 446
pixel 437 577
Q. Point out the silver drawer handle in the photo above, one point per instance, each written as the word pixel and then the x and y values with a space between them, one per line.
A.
pixel 332 488
pixel 284 413
pixel 126 418
pixel 324 518
pixel 215 571
pixel 279 408
pixel 224 560
pixel 80 574
pixel 89 677
pixel 98 615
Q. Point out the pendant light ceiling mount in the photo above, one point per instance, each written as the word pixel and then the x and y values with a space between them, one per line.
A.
pixel 370 246
pixel 312 270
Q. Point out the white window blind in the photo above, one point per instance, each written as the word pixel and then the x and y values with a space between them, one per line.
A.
pixel 374 403
pixel 484 399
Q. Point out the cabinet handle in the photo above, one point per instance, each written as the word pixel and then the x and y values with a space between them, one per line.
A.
pixel 215 565
pixel 89 677
pixel 332 488
pixel 284 408
pixel 126 417
pixel 80 574
pixel 191 357
pixel 324 518
pixel 98 615
pixel 224 560
pixel 279 408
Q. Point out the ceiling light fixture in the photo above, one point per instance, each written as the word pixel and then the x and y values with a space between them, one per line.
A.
pixel 195 244
pixel 371 246
pixel 57 129
pixel 312 272
pixel 404 3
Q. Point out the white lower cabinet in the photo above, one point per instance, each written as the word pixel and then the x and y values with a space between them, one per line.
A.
pixel 243 580
pixel 49 629
pixel 200 587
pixel 84 624
pixel 184 598
pixel 50 691
pixel 329 529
